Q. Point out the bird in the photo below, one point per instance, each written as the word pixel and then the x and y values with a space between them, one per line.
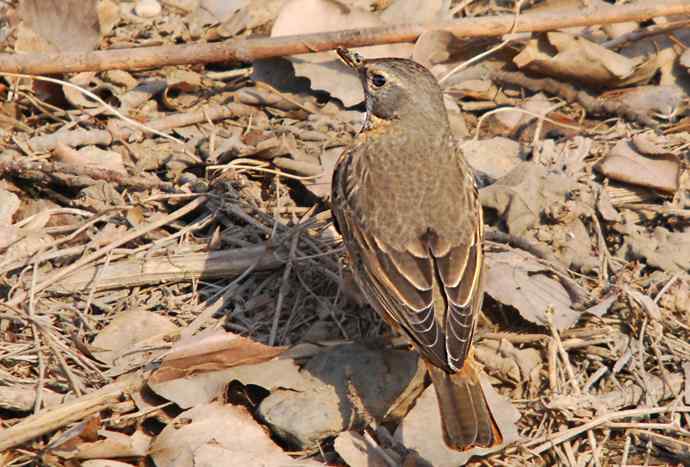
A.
pixel 406 204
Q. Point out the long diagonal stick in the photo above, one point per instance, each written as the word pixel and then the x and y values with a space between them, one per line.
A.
pixel 248 50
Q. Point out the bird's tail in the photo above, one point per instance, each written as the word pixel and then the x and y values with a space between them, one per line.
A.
pixel 465 415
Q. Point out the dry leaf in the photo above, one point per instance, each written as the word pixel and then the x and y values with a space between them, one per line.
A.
pixel 24 243
pixel 514 121
pixel 90 156
pixel 503 357
pixel 215 434
pixel 520 197
pixel 495 157
pixel 128 331
pixel 669 251
pixel 649 100
pixel 193 388
pixel 576 59
pixel 113 444
pixel 9 204
pixel 324 70
pixel 197 369
pixel 58 26
pixel 567 156
pixel 341 394
pixel 89 81
pixel 147 8
pixel 421 429
pixel 212 350
pixel 222 9
pixel 108 15
pixel 519 280
pixel 625 164
pixel 357 451
pixel 321 186
pixel 433 47
pixel 8 235
pixel 603 306
pixel 645 301
pixel 104 463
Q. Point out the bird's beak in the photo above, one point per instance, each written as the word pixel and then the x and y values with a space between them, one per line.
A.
pixel 350 58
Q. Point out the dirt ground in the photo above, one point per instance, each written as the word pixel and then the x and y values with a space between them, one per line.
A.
pixel 173 291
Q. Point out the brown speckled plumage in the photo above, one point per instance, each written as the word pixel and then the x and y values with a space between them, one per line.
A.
pixel 407 206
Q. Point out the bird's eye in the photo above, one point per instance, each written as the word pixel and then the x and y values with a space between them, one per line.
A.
pixel 378 80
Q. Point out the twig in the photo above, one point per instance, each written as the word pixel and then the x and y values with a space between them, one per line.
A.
pixel 284 287
pixel 134 272
pixel 37 343
pixel 547 442
pixel 52 419
pixel 678 449
pixel 77 176
pixel 481 56
pixel 649 31
pixel 143 230
pixel 248 50
pixel 222 297
pixel 93 96
pixel 572 94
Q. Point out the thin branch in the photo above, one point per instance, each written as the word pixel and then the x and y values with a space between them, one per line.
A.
pixel 248 50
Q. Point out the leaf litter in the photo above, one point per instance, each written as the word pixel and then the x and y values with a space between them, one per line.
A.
pixel 181 298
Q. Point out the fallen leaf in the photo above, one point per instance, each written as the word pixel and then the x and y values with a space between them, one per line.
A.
pixel 147 8
pixel 520 196
pixel 90 156
pixel 517 365
pixel 567 156
pixel 324 70
pixel 357 451
pixel 211 433
pixel 422 11
pixel 8 235
pixel 649 100
pixel 197 369
pixel 495 157
pixel 645 301
pixel 24 243
pixel 576 59
pixel 625 164
pixel 104 463
pixel 212 350
pixel 222 9
pixel 421 429
pixel 128 331
pixel 62 25
pixel 112 444
pixel 108 15
pixel 433 47
pixel 519 280
pixel 340 393
pixel 9 204
pixel 603 306
pixel 514 122
pixel 321 186
pixel 668 251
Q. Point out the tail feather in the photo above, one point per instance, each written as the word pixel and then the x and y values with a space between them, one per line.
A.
pixel 465 415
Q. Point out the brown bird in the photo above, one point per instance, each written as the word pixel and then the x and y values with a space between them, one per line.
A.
pixel 406 204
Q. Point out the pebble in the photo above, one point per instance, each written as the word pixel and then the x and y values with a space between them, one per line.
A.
pixel 147 8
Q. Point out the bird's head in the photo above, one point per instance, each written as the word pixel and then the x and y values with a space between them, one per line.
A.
pixel 396 87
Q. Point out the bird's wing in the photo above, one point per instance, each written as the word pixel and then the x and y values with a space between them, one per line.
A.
pixel 431 288
pixel 460 270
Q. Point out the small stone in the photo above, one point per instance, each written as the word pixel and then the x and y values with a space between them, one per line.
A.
pixel 147 8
